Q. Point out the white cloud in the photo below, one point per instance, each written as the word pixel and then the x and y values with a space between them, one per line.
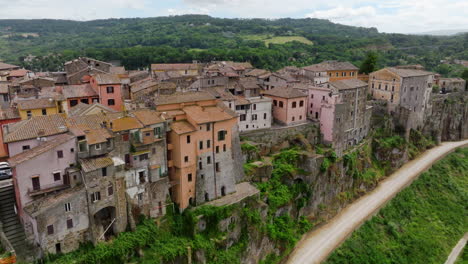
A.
pixel 343 13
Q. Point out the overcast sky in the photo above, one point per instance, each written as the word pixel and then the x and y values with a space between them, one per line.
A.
pixel 387 16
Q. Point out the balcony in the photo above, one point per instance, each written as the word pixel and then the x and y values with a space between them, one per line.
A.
pixel 43 189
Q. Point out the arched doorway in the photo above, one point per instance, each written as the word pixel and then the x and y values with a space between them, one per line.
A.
pixel 223 191
pixel 104 221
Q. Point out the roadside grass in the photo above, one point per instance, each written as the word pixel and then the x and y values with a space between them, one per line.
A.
pixel 421 224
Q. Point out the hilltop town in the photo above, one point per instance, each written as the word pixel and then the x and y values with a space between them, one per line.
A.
pixel 89 150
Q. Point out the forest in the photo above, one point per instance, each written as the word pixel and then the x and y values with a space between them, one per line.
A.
pixel 266 43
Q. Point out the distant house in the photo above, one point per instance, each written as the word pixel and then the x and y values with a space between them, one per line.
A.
pixel 109 89
pixel 37 107
pixel 289 105
pixel 448 85
pixel 7 116
pixel 81 67
pixel 80 93
pixel 8 67
pixel 179 69
pixel 336 70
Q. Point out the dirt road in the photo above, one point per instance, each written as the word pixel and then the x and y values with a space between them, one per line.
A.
pixel 457 250
pixel 317 245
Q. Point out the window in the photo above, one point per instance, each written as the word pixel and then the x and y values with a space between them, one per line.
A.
pixel 110 102
pixel 373 85
pixel 393 88
pixel 300 117
pixel 60 154
pixel 217 149
pixel 222 135
pixel 110 190
pixel 68 207
pixel 73 103
pixel 254 117
pixel 189 177
pixel 26 147
pixel 336 74
pixel 301 103
pixel 104 172
pixel 143 157
pixel 82 146
pixel 208 160
pixel 200 144
pixel 200 165
pixel 294 105
pixel 242 117
pixel 110 89
pixel 28 114
pixel 142 176
pixel 293 118
pixel 96 196
pixel 153 151
pixel 275 103
pixel 281 104
pixel 50 229
pixel 69 223
pixel 254 106
pixel 157 132
pixel 44 111
pixel 265 116
pixel 97 146
pixel 36 184
pixel 72 150
pixel 343 74
pixel 208 127
pixel 140 197
pixel 186 159
pixel 188 139
pixel 224 147
pixel 147 134
pixel 125 137
pixel 218 169
pixel 56 176
pixel 208 143
pixel 323 97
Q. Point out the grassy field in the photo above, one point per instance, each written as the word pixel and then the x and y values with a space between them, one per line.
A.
pixel 277 39
pixel 421 224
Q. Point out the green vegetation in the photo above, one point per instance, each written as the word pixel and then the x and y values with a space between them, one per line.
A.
pixel 421 224
pixel 369 64
pixel 268 44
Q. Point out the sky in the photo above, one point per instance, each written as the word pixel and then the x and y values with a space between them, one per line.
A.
pixel 399 16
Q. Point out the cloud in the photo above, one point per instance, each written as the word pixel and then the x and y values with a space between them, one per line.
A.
pixel 343 13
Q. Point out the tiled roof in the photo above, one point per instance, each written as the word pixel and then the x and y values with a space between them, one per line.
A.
pixel 285 92
pixel 38 103
pixel 36 151
pixel 202 115
pixel 117 70
pixel 348 84
pixel 256 72
pixel 9 113
pixel 249 83
pixel 148 117
pixel 174 66
pixel 42 126
pixel 125 123
pixel 408 72
pixel 18 73
pixel 331 66
pixel 80 90
pixel 241 101
pixel 6 66
pixel 183 97
pixel 93 121
pixel 182 127
pixel 92 164
pixel 220 93
pixel 105 78
pixel 93 136
pixel 83 109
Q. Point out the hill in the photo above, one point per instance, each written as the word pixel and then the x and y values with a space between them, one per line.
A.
pixel 137 42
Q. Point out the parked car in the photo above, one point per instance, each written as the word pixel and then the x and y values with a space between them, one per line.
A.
pixel 5 171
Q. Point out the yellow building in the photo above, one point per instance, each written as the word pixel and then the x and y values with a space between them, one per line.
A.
pixel 37 107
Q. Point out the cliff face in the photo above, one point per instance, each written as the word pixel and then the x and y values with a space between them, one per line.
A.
pixel 448 118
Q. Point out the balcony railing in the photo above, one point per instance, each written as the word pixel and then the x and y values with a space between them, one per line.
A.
pixel 47 189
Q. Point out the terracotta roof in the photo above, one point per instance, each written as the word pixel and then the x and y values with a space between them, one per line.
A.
pixel 148 117
pixel 120 70
pixel 42 126
pixel 29 104
pixel 183 97
pixel 256 72
pixel 220 93
pixel 105 78
pixel 285 92
pixel 18 73
pixel 93 121
pixel 125 123
pixel 6 66
pixel 4 87
pixel 9 113
pixel 174 66
pixel 80 90
pixel 408 72
pixel 348 84
pixel 93 136
pixel 249 83
pixel 83 109
pixel 331 66
pixel 92 164
pixel 182 127
pixel 241 101
pixel 202 115
pixel 36 151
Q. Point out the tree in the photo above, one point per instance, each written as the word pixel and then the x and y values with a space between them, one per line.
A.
pixel 464 76
pixel 369 63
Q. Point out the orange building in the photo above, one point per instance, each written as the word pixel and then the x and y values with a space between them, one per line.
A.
pixel 200 152
pixel 337 70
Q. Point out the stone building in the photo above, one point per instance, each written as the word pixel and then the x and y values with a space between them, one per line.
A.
pixel 448 85
pixel 407 92
pixel 336 70
pixel 201 144
pixel 81 67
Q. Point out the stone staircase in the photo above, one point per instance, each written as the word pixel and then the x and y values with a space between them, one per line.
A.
pixel 10 223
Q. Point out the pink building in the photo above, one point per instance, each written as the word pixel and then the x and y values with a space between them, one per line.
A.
pixel 109 90
pixel 289 105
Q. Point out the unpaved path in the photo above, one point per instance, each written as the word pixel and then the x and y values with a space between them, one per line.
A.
pixel 457 250
pixel 317 245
